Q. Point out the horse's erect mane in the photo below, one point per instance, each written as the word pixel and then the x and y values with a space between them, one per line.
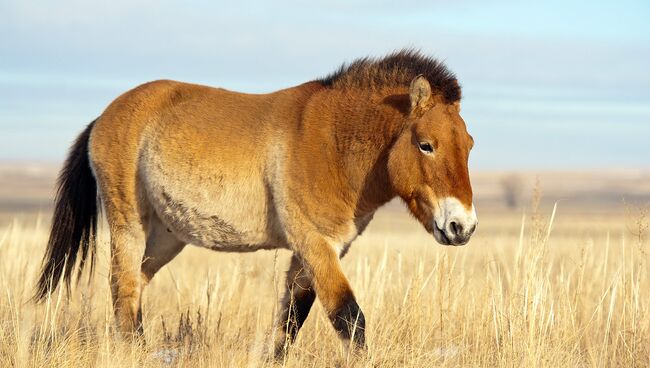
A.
pixel 396 69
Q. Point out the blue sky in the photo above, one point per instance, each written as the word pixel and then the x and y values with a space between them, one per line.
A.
pixel 558 84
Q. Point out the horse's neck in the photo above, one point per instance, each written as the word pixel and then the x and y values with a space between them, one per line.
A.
pixel 364 134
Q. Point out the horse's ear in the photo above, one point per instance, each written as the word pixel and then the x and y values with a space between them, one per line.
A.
pixel 420 92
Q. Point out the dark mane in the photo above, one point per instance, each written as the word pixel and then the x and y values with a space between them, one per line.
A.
pixel 396 69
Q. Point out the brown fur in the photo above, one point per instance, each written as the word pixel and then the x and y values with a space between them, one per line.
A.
pixel 303 168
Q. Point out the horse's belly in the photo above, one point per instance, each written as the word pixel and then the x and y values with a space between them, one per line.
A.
pixel 232 226
pixel 233 216
pixel 210 194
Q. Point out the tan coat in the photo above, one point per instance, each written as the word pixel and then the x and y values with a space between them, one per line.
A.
pixel 303 168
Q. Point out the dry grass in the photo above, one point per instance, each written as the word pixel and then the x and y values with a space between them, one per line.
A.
pixel 534 291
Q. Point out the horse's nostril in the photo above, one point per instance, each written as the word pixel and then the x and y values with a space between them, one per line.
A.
pixel 456 228
pixel 471 231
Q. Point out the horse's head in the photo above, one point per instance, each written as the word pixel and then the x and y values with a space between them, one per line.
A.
pixel 428 166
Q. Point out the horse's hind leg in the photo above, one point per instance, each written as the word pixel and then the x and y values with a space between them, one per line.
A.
pixel 134 264
pixel 125 219
pixel 162 247
pixel 294 307
pixel 127 248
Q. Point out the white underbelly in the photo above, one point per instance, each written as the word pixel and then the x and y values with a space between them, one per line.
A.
pixel 236 225
pixel 236 217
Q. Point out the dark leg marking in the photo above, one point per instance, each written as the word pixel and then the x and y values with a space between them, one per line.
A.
pixel 292 319
pixel 299 310
pixel 350 323
pixel 298 299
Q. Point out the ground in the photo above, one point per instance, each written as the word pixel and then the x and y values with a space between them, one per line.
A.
pixel 559 288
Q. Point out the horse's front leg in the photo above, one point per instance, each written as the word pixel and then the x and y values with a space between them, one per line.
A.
pixel 294 308
pixel 333 289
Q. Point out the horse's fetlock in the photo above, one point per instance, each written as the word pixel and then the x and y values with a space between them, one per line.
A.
pixel 350 322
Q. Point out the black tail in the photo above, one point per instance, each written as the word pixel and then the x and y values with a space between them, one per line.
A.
pixel 74 225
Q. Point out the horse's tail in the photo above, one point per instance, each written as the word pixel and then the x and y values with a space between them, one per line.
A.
pixel 74 225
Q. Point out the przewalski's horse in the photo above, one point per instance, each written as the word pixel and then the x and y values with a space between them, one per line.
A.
pixel 304 169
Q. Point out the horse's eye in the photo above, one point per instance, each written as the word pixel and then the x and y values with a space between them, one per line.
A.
pixel 426 147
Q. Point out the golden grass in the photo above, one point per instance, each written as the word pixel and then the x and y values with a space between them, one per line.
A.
pixel 527 291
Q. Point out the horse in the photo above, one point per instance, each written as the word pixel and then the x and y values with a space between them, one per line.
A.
pixel 303 168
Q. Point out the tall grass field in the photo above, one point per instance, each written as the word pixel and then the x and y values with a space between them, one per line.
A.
pixel 533 288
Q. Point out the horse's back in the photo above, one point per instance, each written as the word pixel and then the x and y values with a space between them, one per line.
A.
pixel 199 157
